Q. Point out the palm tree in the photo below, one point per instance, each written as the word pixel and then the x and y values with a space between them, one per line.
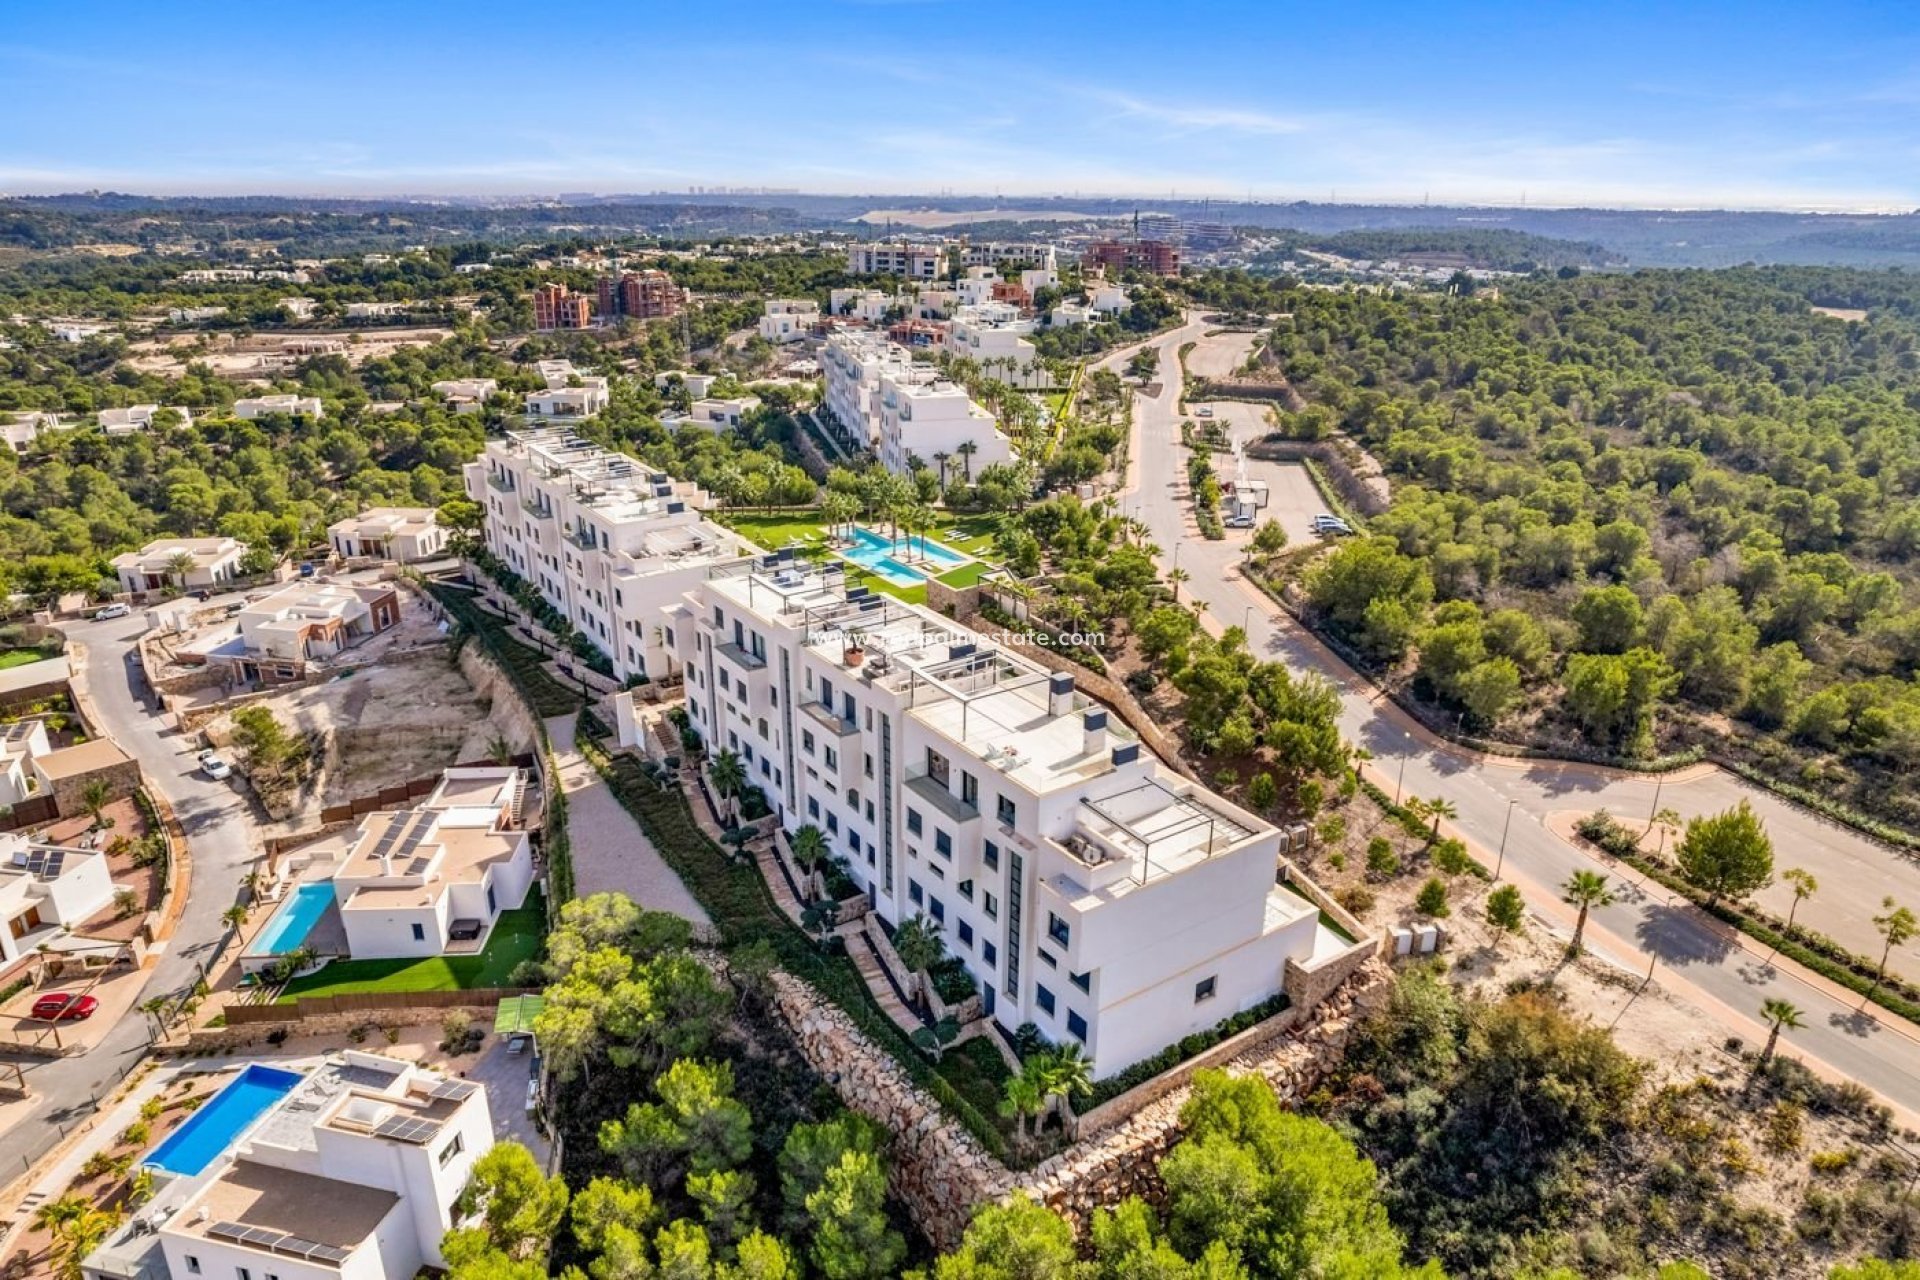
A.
pixel 1024 1098
pixel 941 457
pixel 234 916
pixel 1778 1014
pixel 77 1237
pixel 729 776
pixel 1804 886
pixel 918 944
pixel 179 565
pixel 809 845
pixel 52 1213
pixel 1667 820
pixel 1437 808
pixel 966 449
pixel 1065 1074
pixel 1585 890
pixel 1176 577
pixel 95 797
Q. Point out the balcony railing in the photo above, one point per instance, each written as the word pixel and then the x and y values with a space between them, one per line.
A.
pixel 934 792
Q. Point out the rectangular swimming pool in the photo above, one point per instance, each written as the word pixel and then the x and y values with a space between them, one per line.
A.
pixel 879 554
pixel 213 1128
pixel 293 921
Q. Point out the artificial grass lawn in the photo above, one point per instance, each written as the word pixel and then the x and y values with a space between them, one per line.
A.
pixel 966 575
pixel 22 657
pixel 516 936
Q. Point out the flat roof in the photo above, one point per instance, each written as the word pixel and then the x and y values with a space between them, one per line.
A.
pixel 69 762
pixel 303 1205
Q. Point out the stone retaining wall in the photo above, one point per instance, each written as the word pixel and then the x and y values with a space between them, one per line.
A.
pixel 942 1173
pixel 251 1035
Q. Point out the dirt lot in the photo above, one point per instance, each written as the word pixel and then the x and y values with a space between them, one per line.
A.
pixel 256 357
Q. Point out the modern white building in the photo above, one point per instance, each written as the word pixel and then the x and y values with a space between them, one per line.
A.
pixel 789 319
pixel 137 418
pixel 915 262
pixel 298 308
pixel 293 406
pixel 23 429
pixel 46 891
pixel 996 337
pixel 309 621
pixel 1035 279
pixel 465 395
pixel 1108 299
pixel 606 540
pixel 696 385
pixel 188 563
pixel 714 413
pixel 377 310
pixel 20 742
pixel 400 534
pixel 878 393
pixel 569 393
pixel 1088 890
pixel 869 306
pixel 1067 315
pixel 194 315
pixel 993 253
pixel 351 1172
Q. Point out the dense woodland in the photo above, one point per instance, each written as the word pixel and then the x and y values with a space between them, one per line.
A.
pixel 1656 510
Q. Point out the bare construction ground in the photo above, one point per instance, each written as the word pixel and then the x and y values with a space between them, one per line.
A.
pixel 262 356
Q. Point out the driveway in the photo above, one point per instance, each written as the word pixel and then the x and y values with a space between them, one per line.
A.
pixel 1726 981
pixel 218 822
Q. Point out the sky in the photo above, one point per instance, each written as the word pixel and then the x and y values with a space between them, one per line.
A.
pixel 1548 102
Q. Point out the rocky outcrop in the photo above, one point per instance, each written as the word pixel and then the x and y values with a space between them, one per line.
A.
pixel 942 1173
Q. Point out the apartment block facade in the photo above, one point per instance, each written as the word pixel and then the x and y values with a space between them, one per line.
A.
pixel 607 541
pixel 1155 256
pixel 1087 890
pixel 557 307
pixel 876 391
pixel 644 295
pixel 913 261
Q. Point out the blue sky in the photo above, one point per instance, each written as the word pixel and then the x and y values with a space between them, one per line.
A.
pixel 1757 104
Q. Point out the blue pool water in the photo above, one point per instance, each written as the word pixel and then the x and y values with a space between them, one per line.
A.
pixel 212 1129
pixel 293 921
pixel 875 553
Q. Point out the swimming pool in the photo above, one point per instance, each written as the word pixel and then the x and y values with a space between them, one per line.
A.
pixel 876 553
pixel 212 1129
pixel 293 921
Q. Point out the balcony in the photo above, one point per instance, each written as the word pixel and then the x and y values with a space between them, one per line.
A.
pixel 585 539
pixel 500 480
pixel 537 509
pixel 930 789
pixel 741 657
pixel 824 716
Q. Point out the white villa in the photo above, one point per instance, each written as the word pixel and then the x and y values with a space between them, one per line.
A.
pixel 789 319
pixel 20 744
pixel 307 620
pixel 187 563
pixel 569 393
pixel 465 395
pixel 400 534
pixel 1088 890
pixel 46 890
pixel 251 407
pixel 22 429
pixel 350 1173
pixel 607 541
pixel 136 418
pixel 714 413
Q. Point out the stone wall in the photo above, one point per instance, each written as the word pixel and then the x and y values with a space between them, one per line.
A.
pixel 254 1035
pixel 122 779
pixel 942 1173
pixel 955 602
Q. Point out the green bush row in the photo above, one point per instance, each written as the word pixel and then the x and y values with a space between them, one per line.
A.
pixel 525 667
pixel 1175 1054
pixel 737 899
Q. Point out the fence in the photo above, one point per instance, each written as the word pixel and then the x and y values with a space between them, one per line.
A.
pixel 403 794
pixel 29 812
pixel 371 1002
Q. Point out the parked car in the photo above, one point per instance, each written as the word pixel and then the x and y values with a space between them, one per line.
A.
pixel 1239 522
pixel 214 767
pixel 1204 411
pixel 1329 524
pixel 118 610
pixel 65 1007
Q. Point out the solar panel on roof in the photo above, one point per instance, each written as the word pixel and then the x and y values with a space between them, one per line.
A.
pixel 227 1231
pixel 406 1129
pixel 454 1089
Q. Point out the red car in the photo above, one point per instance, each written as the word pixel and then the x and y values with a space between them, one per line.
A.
pixel 65 1008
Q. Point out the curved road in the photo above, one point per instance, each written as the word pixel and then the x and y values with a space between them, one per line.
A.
pixel 1724 975
pixel 219 825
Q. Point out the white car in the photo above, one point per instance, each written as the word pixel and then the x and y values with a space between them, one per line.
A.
pixel 1204 411
pixel 214 767
pixel 113 611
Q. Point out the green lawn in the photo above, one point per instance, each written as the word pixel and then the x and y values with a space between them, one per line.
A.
pixel 21 657
pixel 966 575
pixel 975 538
pixel 516 936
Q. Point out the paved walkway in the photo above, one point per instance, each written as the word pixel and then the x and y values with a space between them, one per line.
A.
pixel 611 854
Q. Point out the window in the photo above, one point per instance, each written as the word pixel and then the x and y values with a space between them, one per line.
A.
pixel 813 807
pixel 853 841
pixel 915 894
pixel 869 761
pixel 1057 928
pixel 991 856
pixel 452 1149
pixel 1203 990
pixel 966 889
pixel 869 811
pixel 1046 958
pixel 1084 981
pixel 990 905
pixel 493 907
pixel 937 909
pixel 1076 1026
pixel 913 822
pixel 1003 809
pixel 806 741
pixel 833 823
pixel 1043 998
pixel 833 758
pixel 969 789
pixel 193 1265
pixel 242 1273
pixel 419 933
pixel 942 844
pixel 965 934
pixel 988 955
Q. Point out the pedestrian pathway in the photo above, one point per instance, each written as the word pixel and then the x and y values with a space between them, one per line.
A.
pixel 611 854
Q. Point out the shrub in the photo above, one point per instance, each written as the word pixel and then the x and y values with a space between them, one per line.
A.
pixel 1358 899
pixel 1381 859
pixel 1451 856
pixel 1832 1162
pixel 135 1134
pixel 1433 898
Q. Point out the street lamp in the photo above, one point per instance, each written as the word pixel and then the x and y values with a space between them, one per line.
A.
pixel 1659 780
pixel 1406 749
pixel 1246 621
pixel 1504 828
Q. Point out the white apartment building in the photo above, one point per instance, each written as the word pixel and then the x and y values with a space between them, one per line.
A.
pixel 465 395
pixel 350 1173
pixel 975 289
pixel 1089 891
pixel 915 262
pixel 604 539
pixel 1042 257
pixel 293 406
pixel 46 891
pixel 400 534
pixel 877 392
pixel 188 563
pixel 995 336
pixel 866 305
pixel 1035 279
pixel 789 319
pixel 137 418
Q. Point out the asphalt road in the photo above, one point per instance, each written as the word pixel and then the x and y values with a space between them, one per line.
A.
pixel 219 825
pixel 1691 955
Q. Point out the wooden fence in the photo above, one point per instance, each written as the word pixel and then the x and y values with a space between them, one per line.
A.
pixel 402 795
pixel 30 812
pixel 371 1002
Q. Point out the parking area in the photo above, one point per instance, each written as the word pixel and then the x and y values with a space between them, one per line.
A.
pixel 504 1075
pixel 116 993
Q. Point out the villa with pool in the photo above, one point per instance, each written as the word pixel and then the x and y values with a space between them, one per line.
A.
pixel 429 880
pixel 350 1167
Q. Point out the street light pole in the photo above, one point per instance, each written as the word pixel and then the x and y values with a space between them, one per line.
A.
pixel 1659 780
pixel 1246 621
pixel 1406 749
pixel 1504 828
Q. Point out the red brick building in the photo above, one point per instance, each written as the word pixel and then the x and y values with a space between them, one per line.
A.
pixel 1156 256
pixel 557 307
pixel 644 295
